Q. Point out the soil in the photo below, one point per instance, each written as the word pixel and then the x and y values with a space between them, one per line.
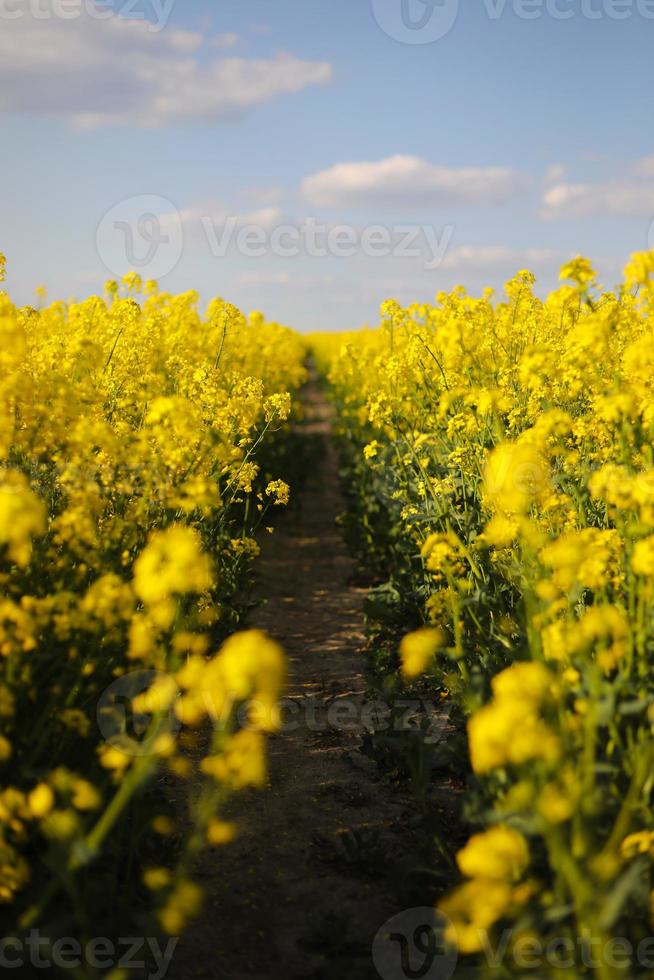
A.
pixel 316 869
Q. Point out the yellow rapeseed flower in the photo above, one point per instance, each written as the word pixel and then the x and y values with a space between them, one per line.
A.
pixel 418 649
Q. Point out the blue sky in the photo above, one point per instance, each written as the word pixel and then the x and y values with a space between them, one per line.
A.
pixel 213 137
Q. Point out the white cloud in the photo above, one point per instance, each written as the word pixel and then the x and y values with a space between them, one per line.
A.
pixel 222 41
pixel 262 218
pixel 631 194
pixel 483 257
pixel 214 230
pixel 102 72
pixel 301 282
pixel 555 173
pixel 645 167
pixel 407 181
pixel 626 198
pixel 265 279
pixel 264 195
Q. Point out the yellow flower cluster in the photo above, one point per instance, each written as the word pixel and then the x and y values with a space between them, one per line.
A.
pixel 418 650
pixel 499 451
pixel 494 862
pixel 510 730
pixel 131 489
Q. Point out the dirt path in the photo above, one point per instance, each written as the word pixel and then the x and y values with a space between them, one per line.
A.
pixel 305 887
